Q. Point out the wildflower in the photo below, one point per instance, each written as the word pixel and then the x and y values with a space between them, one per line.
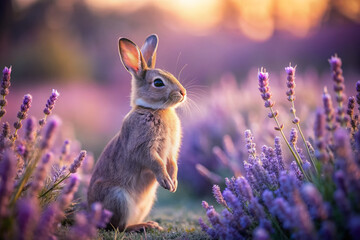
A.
pixel 329 111
pixel 212 233
pixel 30 128
pixel 358 94
pixel 49 106
pixel 218 196
pixel 7 175
pixel 5 84
pixel 261 234
pixel 250 145
pixel 47 223
pixel 327 231
pixel 68 192
pixel 38 182
pixel 4 137
pixel 65 148
pixel 278 153
pixel 27 216
pixel 339 88
pixel 77 162
pixel 22 114
pixel 290 82
pixel 49 134
pixel 350 112
pixel 293 136
pixel 283 211
pixel 243 189
pixel 264 88
pixel 314 201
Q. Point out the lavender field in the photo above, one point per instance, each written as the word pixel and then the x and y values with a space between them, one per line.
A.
pixel 271 128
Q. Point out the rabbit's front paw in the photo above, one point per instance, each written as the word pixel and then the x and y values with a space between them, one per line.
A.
pixel 175 181
pixel 166 182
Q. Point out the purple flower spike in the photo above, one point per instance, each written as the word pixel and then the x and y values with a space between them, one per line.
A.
pixel 354 225
pixel 27 216
pixel 68 192
pixel 329 111
pixel 339 88
pixel 41 172
pixel 218 196
pixel 293 136
pixel 290 83
pixel 314 201
pixel 243 189
pixel 261 234
pixel 278 153
pixel 51 102
pixel 24 108
pixel 250 145
pixel 5 84
pixel 327 231
pixel 7 176
pixel 49 134
pixel 49 106
pixel 77 162
pixel 283 211
pixel 264 88
pixel 30 129
pixel 358 94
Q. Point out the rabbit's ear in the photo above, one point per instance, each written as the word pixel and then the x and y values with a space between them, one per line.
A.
pixel 131 56
pixel 149 50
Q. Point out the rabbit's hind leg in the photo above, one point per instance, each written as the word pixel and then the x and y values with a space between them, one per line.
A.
pixel 119 203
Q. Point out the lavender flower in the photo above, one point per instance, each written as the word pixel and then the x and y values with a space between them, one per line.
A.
pixel 49 106
pixel 5 84
pixel 65 148
pixel 327 231
pixel 47 224
pixel 30 129
pixel 354 225
pixel 329 111
pixel 27 216
pixel 49 134
pixel 22 114
pixel 278 153
pixel 283 211
pixel 68 192
pixel 218 196
pixel 77 162
pixel 314 201
pixel 7 175
pixel 358 94
pixel 243 190
pixel 293 136
pixel 264 88
pixel 290 82
pixel 38 182
pixel 339 88
pixel 261 234
pixel 4 137
pixel 250 145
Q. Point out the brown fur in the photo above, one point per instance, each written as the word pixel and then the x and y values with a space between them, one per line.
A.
pixel 145 151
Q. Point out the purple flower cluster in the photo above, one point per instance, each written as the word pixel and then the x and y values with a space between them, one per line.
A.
pixel 36 188
pixel 49 106
pixel 296 201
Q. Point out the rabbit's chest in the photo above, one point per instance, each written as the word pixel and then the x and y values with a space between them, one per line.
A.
pixel 167 134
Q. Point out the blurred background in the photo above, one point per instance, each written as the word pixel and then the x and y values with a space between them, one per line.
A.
pixel 214 46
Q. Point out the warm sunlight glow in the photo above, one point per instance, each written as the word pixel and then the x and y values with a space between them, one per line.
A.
pixel 299 16
pixel 255 18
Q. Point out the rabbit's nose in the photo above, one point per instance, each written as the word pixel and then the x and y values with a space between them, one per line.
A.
pixel 183 92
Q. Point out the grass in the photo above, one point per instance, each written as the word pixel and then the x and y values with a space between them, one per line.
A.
pixel 177 214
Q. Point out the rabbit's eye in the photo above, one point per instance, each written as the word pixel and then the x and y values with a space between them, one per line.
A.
pixel 158 82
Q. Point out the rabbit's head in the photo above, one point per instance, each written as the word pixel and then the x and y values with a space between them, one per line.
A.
pixel 151 87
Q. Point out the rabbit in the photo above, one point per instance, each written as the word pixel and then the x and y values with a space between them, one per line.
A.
pixel 145 151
